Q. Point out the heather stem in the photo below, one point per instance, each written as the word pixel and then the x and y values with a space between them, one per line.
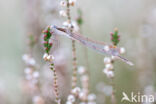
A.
pixel 113 92
pixel 74 76
pixel 55 83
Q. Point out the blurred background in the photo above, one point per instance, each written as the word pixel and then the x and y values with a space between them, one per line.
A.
pixel 135 20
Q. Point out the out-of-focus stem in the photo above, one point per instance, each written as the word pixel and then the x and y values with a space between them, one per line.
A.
pixel 74 60
pixel 87 67
pixel 85 55
pixel 55 83
pixel 113 98
pixel 68 12
pixel 74 77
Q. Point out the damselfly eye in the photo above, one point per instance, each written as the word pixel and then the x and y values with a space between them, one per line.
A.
pixel 53 26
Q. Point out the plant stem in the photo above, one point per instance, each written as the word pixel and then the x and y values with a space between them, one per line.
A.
pixel 74 77
pixel 113 98
pixel 74 60
pixel 55 83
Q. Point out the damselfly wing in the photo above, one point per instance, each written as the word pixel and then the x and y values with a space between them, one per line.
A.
pixel 97 46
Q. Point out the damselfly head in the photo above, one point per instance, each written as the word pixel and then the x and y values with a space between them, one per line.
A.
pixel 53 26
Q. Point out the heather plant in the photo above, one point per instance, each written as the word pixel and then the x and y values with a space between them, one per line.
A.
pixel 31 85
pixel 50 59
pixel 62 52
pixel 109 69
pixel 72 27
pixel 79 93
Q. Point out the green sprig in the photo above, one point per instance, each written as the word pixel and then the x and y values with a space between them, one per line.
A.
pixel 47 35
pixel 79 19
pixel 115 37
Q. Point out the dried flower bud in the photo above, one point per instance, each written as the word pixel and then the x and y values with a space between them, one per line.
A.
pixel 38 100
pixel 75 26
pixel 31 62
pixel 122 50
pixel 72 2
pixel 63 3
pixel 81 70
pixel 107 60
pixel 76 91
pixel 70 25
pixel 36 74
pixel 25 57
pixel 45 56
pixel 81 95
pixel 71 98
pixel 28 70
pixel 66 23
pixel 109 66
pixel 50 58
pixel 110 74
pixel 63 13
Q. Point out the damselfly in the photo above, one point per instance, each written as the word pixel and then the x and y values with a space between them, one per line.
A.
pixel 97 46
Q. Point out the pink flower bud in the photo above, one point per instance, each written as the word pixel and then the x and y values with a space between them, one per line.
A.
pixel 50 44
pixel 45 42
pixel 111 33
pixel 44 36
pixel 45 31
pixel 46 48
